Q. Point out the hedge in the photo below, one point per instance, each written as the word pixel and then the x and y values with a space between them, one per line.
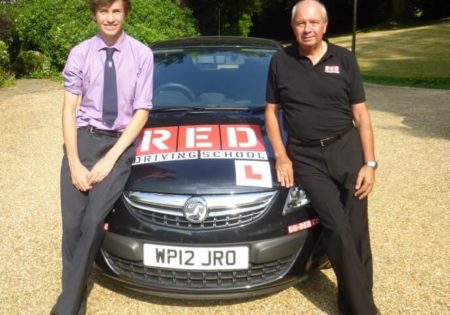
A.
pixel 53 27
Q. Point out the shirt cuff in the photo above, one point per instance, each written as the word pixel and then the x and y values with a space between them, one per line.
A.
pixel 142 105
pixel 72 90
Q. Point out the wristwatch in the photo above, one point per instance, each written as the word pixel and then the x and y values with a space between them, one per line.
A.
pixel 373 164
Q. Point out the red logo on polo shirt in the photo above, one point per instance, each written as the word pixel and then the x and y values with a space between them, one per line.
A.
pixel 332 69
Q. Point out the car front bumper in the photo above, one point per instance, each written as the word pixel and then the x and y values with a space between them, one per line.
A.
pixel 274 264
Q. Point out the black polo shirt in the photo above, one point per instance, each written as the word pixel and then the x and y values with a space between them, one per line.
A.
pixel 316 100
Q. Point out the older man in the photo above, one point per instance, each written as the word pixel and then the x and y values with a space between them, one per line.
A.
pixel 330 148
pixel 108 94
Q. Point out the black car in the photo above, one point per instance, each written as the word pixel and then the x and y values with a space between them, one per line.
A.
pixel 202 215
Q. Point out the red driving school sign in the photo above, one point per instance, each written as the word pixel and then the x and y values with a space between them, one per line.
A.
pixel 172 143
pixel 242 143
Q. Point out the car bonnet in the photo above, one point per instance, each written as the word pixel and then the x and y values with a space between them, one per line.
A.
pixel 198 153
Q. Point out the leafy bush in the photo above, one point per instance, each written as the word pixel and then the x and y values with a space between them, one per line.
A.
pixel 53 27
pixel 33 64
pixel 152 20
pixel 4 56
pixel 6 76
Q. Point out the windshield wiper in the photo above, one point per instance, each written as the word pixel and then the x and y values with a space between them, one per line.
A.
pixel 198 109
pixel 225 109
pixel 176 109
pixel 257 110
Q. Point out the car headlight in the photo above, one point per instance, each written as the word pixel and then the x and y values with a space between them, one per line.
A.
pixel 296 198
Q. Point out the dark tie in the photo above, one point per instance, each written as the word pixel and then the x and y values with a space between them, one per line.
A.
pixel 109 90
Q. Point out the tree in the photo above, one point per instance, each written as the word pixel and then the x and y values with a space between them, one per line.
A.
pixel 399 10
pixel 182 3
pixel 429 9
pixel 220 17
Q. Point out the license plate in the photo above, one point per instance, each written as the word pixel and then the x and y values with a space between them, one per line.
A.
pixel 196 258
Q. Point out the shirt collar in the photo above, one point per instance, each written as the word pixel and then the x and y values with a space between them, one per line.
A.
pixel 100 44
pixel 293 50
pixel 331 51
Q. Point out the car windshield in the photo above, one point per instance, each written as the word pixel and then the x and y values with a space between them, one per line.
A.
pixel 203 78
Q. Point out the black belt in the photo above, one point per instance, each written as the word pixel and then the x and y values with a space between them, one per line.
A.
pixel 321 142
pixel 109 133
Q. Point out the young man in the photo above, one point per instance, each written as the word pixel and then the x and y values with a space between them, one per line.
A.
pixel 108 90
pixel 319 88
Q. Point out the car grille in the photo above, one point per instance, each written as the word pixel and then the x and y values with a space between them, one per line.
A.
pixel 224 210
pixel 254 275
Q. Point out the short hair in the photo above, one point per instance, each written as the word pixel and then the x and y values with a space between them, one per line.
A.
pixel 95 5
pixel 324 10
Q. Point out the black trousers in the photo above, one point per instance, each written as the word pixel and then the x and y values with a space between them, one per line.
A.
pixel 83 215
pixel 328 175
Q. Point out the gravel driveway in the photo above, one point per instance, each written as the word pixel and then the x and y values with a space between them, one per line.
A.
pixel 409 213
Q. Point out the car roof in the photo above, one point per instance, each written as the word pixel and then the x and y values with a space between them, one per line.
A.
pixel 217 41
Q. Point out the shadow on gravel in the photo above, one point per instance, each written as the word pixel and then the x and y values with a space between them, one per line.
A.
pixel 425 112
pixel 98 278
pixel 320 291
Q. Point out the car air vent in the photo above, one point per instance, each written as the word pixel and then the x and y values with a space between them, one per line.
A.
pixel 223 211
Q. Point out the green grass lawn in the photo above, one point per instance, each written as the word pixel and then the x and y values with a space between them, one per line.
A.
pixel 415 56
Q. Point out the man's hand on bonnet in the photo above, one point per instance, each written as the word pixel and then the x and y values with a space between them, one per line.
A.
pixel 285 171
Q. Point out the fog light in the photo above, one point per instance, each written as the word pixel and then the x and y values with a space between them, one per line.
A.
pixel 295 199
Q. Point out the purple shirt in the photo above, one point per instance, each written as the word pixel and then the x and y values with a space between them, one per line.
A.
pixel 83 74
